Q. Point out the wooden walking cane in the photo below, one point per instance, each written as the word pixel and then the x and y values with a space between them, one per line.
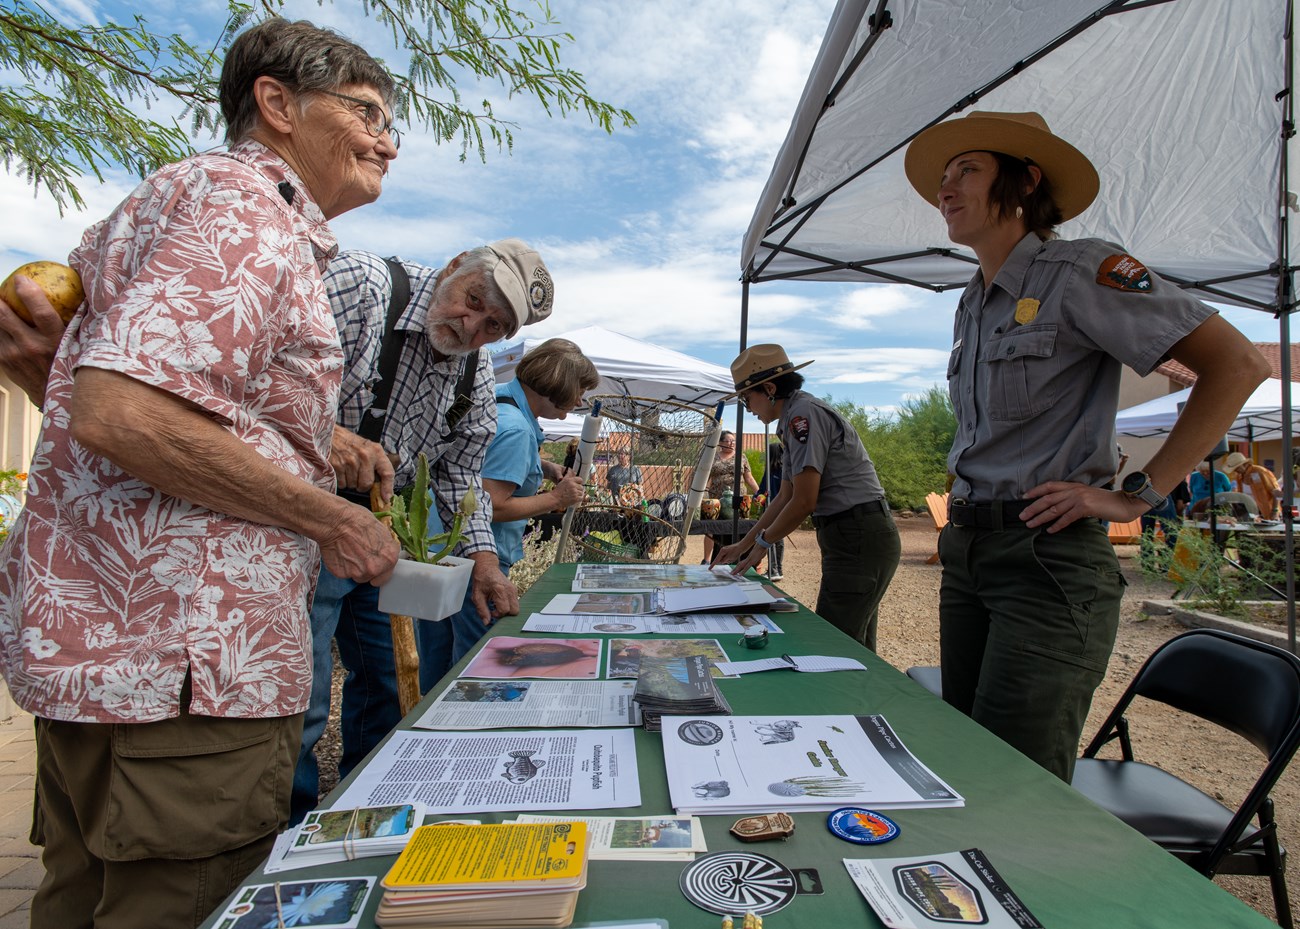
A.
pixel 405 657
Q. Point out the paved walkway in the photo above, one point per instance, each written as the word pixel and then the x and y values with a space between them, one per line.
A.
pixel 20 863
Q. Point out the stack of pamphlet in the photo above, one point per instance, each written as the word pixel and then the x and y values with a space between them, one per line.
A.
pixel 677 687
pixel 327 836
pixel 502 875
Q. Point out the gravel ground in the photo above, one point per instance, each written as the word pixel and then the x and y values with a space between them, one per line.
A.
pixel 909 635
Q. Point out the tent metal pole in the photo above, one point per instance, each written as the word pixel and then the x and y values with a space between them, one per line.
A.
pixel 740 414
pixel 1285 295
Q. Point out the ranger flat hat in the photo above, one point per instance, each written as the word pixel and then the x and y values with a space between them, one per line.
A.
pixel 1020 135
pixel 759 364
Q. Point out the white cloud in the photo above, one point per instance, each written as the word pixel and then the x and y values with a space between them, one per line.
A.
pixel 866 306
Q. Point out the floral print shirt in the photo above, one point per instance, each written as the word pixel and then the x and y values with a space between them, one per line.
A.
pixel 205 283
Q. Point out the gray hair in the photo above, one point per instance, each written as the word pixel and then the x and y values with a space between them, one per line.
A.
pixel 303 56
pixel 481 261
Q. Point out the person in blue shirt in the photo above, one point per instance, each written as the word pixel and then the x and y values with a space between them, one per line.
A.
pixel 1199 484
pixel 549 383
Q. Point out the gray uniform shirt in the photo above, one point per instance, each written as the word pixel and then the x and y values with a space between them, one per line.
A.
pixel 815 436
pixel 1035 364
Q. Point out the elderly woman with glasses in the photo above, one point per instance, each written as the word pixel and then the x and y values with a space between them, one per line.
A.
pixel 154 593
pixel 1031 589
pixel 826 474
pixel 722 478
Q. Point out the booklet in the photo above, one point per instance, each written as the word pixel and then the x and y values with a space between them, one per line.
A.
pixel 644 838
pixel 759 764
pixel 731 598
pixel 333 903
pixel 939 890
pixel 532 705
pixel 813 663
pixel 677 624
pixel 678 686
pixel 501 772
pixel 647 577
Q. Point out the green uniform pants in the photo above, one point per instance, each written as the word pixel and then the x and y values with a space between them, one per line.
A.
pixel 1027 621
pixel 154 824
pixel 860 554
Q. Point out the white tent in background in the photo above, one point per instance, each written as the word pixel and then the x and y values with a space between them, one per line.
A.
pixel 628 368
pixel 1260 419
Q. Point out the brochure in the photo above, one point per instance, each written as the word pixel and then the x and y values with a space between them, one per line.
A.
pixel 647 577
pixel 758 764
pixel 678 686
pixel 939 890
pixel 328 836
pixel 678 624
pixel 645 838
pixel 731 598
pixel 815 663
pixel 532 705
pixel 469 772
pixel 334 903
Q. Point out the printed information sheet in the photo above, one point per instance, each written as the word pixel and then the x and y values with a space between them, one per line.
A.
pixel 463 772
pixel 758 764
pixel 960 888
pixel 532 705
pixel 649 838
pixel 685 624
pixel 646 577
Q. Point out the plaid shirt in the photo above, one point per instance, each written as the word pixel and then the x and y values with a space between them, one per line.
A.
pixel 359 288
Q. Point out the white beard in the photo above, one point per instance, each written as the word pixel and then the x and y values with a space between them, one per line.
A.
pixel 454 343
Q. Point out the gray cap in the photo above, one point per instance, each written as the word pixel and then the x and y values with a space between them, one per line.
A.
pixel 519 272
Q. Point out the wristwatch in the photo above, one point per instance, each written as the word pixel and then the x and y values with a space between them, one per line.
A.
pixel 762 542
pixel 1138 485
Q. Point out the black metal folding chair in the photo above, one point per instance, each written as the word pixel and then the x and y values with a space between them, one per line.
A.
pixel 1247 687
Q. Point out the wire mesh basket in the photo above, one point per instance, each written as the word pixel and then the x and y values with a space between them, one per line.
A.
pixel 641 455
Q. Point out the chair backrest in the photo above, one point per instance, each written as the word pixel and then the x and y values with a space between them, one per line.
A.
pixel 937 504
pixel 1234 500
pixel 1248 687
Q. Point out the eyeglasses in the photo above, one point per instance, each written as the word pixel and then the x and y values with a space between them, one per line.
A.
pixel 375 119
pixel 720 445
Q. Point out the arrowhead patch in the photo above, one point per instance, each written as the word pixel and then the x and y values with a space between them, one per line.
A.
pixel 1124 272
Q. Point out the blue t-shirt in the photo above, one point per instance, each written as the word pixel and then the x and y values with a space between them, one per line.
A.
pixel 1200 485
pixel 514 457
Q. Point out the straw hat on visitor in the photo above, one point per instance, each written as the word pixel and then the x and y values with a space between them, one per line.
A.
pixel 1234 461
pixel 1020 135
pixel 759 364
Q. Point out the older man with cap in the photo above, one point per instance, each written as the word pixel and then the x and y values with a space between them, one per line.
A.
pixel 828 474
pixel 414 381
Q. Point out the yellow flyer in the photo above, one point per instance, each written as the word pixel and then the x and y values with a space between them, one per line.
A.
pixel 496 856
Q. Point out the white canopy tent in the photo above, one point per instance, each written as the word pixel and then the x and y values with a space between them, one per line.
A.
pixel 628 368
pixel 1185 107
pixel 1260 419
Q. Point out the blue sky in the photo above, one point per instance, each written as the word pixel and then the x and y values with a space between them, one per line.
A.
pixel 641 229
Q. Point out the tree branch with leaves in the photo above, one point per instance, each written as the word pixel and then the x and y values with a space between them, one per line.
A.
pixel 75 104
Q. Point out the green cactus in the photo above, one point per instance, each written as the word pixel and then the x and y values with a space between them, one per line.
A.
pixel 410 522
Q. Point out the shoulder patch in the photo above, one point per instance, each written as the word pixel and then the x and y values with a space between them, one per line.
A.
pixel 799 426
pixel 1124 272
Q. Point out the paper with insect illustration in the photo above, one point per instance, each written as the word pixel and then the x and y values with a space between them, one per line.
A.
pixel 532 705
pixel 950 889
pixel 473 772
pixel 758 764
pixel 505 656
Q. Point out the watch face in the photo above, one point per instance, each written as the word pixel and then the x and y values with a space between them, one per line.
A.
pixel 1134 482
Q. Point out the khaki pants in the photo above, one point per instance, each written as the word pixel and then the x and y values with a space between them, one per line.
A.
pixel 154 824
pixel 1027 621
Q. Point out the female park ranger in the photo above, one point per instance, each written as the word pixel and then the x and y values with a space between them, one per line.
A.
pixel 827 473
pixel 1029 601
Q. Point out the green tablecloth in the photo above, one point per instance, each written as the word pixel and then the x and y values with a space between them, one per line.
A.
pixel 1071 863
